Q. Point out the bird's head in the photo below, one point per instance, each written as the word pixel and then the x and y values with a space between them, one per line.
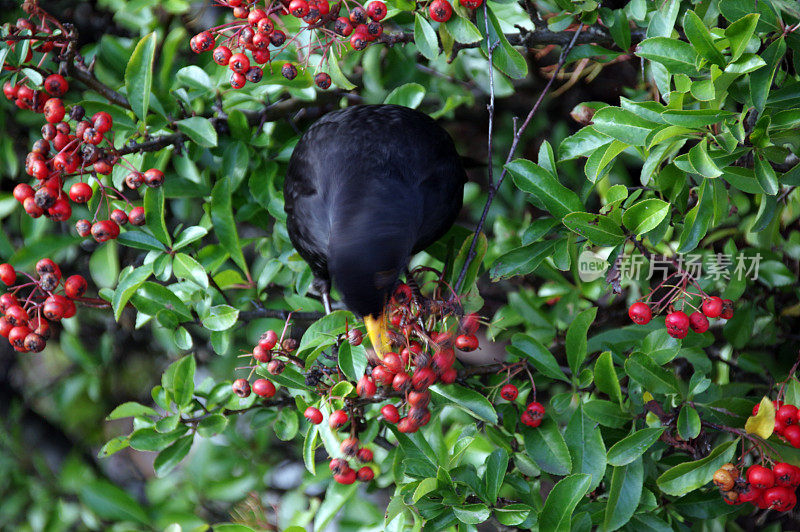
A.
pixel 366 271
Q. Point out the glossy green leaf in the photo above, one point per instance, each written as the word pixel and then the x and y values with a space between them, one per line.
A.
pixel 352 360
pixel 547 447
pixel 633 446
pixel 221 211
pixel 605 377
pixel 624 494
pixel 650 375
pixel 739 34
pixel 534 179
pixel 689 476
pixel 645 215
pixel 528 348
pixel 465 399
pixel 220 318
pixel 576 338
pixel 496 465
pixel 129 282
pixel 172 455
pixel 561 502
pixel 154 214
pixel 425 38
pixel 678 57
pixel 600 230
pixel 623 125
pixel 688 423
pixel 139 75
pixel 701 39
pixel 586 447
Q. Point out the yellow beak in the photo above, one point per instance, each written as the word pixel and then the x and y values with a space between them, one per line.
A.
pixel 378 334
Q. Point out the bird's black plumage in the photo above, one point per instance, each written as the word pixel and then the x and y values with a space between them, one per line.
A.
pixel 368 186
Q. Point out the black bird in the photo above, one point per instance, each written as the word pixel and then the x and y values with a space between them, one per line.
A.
pixel 367 187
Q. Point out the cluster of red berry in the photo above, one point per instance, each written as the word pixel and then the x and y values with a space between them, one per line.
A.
pixel 259 29
pixel 678 323
pixel 787 422
pixel 534 412
pixel 766 488
pixel 340 467
pixel 265 352
pixel 26 320
pixel 30 98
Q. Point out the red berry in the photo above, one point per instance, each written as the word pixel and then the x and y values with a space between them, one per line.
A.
pixel 440 10
pixel 10 90
pixel 222 55
pixel 16 315
pixel 298 8
pixel 23 191
pixel 338 466
pixel 698 322
pixel 136 216
pixel 393 362
pixel 16 337
pixel 467 342
pixel 358 15
pixel 255 16
pixel 239 63
pixel 366 387
pixel 153 178
pixel 277 38
pixel 785 474
pixel 640 313
pixel 134 180
pixel 407 425
pixel 54 110
pixel 268 340
pixel 470 323
pixel 509 392
pixel 238 80
pixel 677 324
pixel 779 498
pixel 419 399
pixel 47 265
pixel 260 57
pixel 712 307
pixel 358 41
pixel 727 309
pixel 390 413
pixel 749 494
pixel 786 414
pixel 75 286
pixel 104 230
pixel 365 474
pixel 338 419
pixel 760 477
pixel 471 4
pixel 8 274
pixel 265 26
pixel 376 10
pixel 423 378
pixel 350 446
pixel 792 434
pixel 343 27
pixel 80 192
pixel 355 337
pixel 289 71
pixel 102 121
pixel 347 477
pixel 52 309
pixel 449 376
pixel 322 80
pixel 263 388
pixel 34 343
pixel 382 376
pixel 55 85
pixel 401 382
pixel 241 388
pixel 313 415
pixel 364 455
pixel 276 367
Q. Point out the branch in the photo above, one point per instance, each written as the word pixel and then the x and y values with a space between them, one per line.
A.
pixel 495 186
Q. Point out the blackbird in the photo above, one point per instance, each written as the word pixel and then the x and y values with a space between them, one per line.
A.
pixel 368 186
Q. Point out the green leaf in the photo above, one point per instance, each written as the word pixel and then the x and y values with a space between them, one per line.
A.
pixel 426 485
pixel 576 338
pixel 139 75
pixel 561 502
pixel 547 447
pixel 496 465
pixel 352 360
pixel 408 95
pixel 701 162
pixel 140 240
pixel 322 334
pixel 512 514
pixel 688 423
pixel 200 130
pixel 645 215
pixel 761 79
pixel 309 446
pixel 110 502
pixel 128 284
pixel 504 57
pixel 220 318
pixel 521 261
pixel 148 439
pixel 633 446
pixel 690 476
pixel 172 455
pixel 697 221
pixel 701 39
pixel 534 179
pixel 471 274
pixel 599 229
pixel 463 30
pixel 468 400
pixel 425 38
pixel 623 125
pixel 695 118
pixel 606 413
pixel 623 495
pixel 131 409
pixel 766 175
pixel 185 267
pixel 183 380
pixel 196 78
pixel 336 497
pixel 677 56
pixel 472 514
pixel 287 424
pixel 739 34
pixel 221 211
pixel 650 375
pixel 528 348
pixel 154 214
pixel 605 377
pixel 189 235
pixel 337 76
pixel 586 447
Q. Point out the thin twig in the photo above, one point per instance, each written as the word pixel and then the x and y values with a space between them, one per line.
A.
pixel 494 187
